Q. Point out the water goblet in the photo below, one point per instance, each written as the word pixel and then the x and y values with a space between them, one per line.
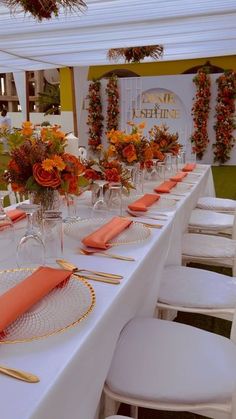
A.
pixel 99 195
pixel 115 197
pixel 30 250
pixel 7 234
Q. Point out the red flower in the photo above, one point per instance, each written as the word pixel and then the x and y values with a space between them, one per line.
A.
pixel 91 174
pixel 43 178
pixel 112 175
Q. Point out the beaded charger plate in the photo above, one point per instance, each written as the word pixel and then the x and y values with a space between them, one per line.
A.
pixel 135 233
pixel 61 309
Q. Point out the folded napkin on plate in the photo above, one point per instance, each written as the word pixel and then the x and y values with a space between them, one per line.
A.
pixel 108 231
pixel 144 202
pixel 178 177
pixel 18 299
pixel 189 167
pixel 16 215
pixel 165 187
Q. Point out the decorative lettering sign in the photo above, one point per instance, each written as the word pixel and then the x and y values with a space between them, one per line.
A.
pixel 161 106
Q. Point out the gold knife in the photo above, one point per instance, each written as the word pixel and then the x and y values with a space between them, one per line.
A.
pixel 20 375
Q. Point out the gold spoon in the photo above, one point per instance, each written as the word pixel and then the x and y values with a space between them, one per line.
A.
pixel 20 375
pixel 108 255
pixel 74 268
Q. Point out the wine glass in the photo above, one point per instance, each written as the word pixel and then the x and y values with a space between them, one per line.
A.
pixel 7 234
pixel 30 250
pixel 100 198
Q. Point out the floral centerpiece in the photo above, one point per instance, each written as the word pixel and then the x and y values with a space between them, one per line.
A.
pixel 162 141
pixel 107 169
pixel 38 163
pixel 132 147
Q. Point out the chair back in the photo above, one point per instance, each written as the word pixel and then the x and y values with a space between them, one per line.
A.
pixel 234 227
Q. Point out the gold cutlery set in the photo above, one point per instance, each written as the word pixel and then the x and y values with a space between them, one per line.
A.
pixel 89 274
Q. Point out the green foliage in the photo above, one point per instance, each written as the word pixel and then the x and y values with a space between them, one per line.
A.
pixel 15 139
pixel 50 100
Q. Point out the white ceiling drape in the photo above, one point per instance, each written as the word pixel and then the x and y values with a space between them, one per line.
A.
pixel 187 29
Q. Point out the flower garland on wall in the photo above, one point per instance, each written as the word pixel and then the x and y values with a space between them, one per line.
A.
pixel 200 112
pixel 113 111
pixel 225 109
pixel 45 9
pixel 95 117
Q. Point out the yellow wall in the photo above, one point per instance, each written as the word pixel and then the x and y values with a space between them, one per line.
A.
pixel 159 68
pixel 65 90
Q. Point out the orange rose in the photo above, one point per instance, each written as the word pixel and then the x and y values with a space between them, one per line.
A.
pixel 129 153
pixel 73 164
pixel 44 178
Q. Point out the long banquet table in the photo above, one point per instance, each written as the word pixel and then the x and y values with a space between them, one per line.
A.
pixel 73 365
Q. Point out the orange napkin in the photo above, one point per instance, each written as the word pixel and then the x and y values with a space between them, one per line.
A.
pixel 189 167
pixel 142 203
pixel 108 231
pixel 18 299
pixel 16 215
pixel 165 187
pixel 178 177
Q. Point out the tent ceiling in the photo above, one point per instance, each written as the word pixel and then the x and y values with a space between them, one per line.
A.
pixel 186 28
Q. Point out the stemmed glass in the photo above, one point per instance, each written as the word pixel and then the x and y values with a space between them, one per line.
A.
pixel 99 196
pixel 30 250
pixel 7 235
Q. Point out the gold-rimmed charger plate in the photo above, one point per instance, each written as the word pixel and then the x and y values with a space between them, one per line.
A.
pixel 61 309
pixel 135 233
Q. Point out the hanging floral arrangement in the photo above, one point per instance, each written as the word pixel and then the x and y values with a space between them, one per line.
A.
pixel 225 124
pixel 135 54
pixel 200 112
pixel 95 117
pixel 45 9
pixel 113 111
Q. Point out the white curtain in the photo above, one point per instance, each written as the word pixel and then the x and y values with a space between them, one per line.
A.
pixel 20 82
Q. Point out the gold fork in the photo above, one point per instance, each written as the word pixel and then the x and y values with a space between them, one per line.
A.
pixel 71 266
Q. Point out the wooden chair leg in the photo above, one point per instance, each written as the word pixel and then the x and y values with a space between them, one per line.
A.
pixel 110 406
pixel 134 412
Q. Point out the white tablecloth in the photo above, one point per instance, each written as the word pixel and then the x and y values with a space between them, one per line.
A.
pixel 72 366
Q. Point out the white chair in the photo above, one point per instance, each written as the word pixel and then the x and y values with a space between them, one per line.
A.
pixel 15 197
pixel 217 204
pixel 209 250
pixel 197 291
pixel 165 365
pixel 212 222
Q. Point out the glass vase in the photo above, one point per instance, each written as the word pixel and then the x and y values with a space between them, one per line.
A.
pixel 48 199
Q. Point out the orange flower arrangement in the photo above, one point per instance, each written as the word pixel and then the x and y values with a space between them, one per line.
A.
pixel 109 170
pixel 130 147
pixel 162 142
pixel 39 161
